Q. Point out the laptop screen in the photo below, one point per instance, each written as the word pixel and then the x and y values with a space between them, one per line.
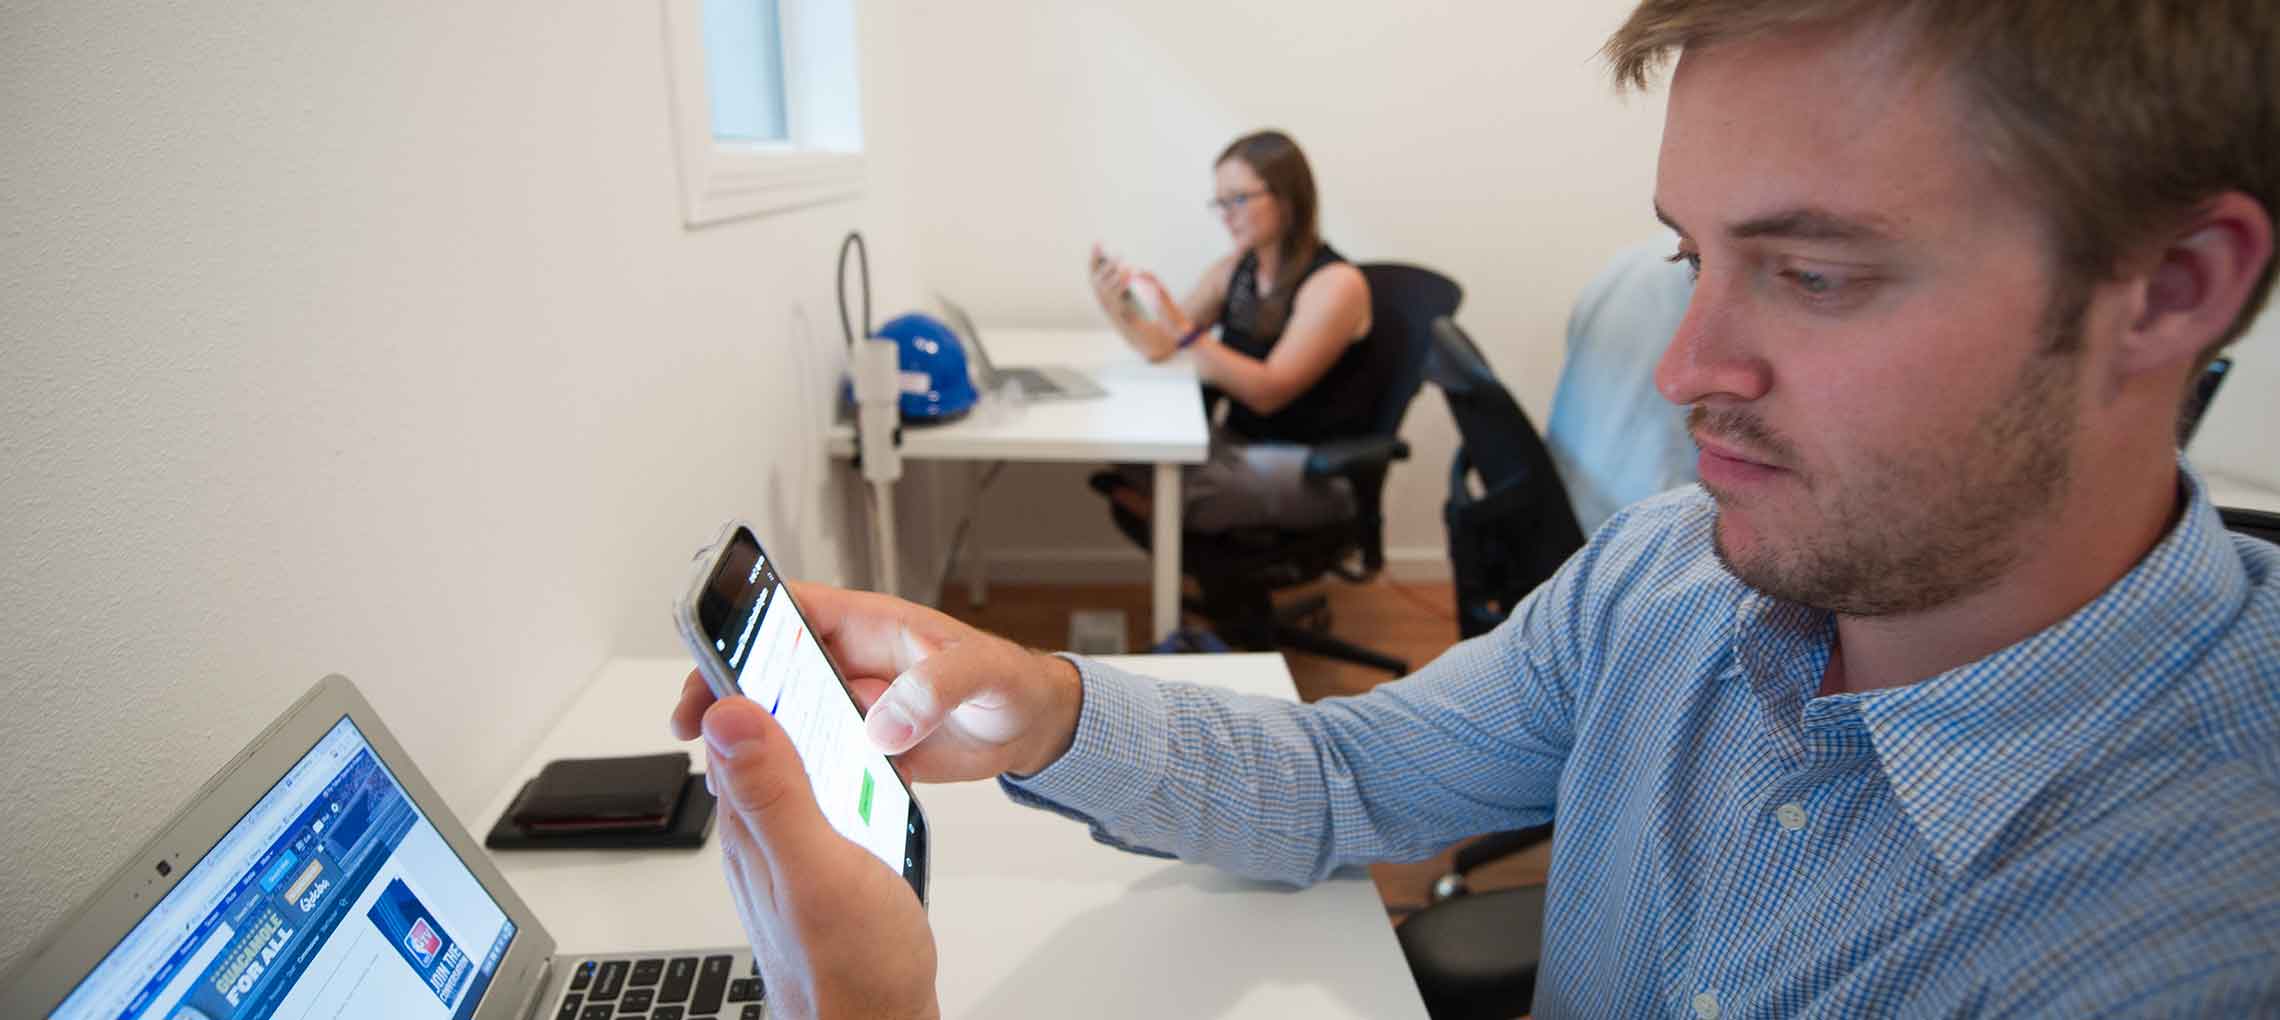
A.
pixel 963 325
pixel 333 897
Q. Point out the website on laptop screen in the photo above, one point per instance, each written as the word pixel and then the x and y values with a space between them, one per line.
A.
pixel 333 897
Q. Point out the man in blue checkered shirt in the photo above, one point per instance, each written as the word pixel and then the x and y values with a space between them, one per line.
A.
pixel 1945 694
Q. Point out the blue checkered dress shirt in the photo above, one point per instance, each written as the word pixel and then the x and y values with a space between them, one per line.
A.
pixel 2086 823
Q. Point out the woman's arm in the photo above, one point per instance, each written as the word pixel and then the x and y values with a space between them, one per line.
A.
pixel 1330 312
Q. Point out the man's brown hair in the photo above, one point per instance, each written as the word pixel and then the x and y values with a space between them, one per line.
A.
pixel 2117 117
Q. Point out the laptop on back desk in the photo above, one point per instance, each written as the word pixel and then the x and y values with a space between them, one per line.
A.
pixel 1036 382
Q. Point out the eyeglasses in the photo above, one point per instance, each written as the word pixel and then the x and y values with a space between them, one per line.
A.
pixel 1226 204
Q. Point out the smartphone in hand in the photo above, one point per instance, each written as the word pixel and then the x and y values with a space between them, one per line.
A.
pixel 1128 303
pixel 749 639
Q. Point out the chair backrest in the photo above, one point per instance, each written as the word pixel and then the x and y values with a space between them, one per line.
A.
pixel 1499 441
pixel 1517 531
pixel 1404 301
pixel 2197 402
pixel 2262 524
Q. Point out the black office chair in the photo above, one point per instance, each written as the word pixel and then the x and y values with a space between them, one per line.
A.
pixel 1516 532
pixel 2253 523
pixel 1238 571
pixel 1475 954
pixel 2197 402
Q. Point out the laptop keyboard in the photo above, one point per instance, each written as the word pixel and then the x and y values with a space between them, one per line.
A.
pixel 663 988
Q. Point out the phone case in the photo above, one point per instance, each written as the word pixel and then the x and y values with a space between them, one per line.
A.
pixel 631 790
pixel 690 824
pixel 685 612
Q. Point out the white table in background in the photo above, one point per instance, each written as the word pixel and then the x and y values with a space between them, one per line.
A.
pixel 1033 918
pixel 2227 490
pixel 1152 414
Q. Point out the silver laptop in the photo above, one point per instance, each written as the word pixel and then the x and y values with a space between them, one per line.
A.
pixel 320 876
pixel 1036 382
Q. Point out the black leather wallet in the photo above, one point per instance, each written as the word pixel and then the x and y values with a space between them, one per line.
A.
pixel 587 803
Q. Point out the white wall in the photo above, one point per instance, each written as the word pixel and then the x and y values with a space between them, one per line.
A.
pixel 2238 435
pixel 1480 139
pixel 367 338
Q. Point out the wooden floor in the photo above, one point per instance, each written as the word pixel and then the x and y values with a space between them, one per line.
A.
pixel 1412 621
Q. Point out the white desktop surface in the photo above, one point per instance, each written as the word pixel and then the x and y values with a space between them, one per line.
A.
pixel 1152 413
pixel 1032 917
pixel 2227 490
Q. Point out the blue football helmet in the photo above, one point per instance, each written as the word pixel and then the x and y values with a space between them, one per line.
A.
pixel 935 384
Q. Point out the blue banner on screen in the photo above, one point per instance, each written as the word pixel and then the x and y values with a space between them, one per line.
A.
pixel 419 937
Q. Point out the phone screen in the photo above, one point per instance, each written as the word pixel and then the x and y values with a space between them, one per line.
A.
pixel 759 641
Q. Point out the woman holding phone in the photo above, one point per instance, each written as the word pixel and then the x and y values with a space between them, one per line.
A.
pixel 1279 329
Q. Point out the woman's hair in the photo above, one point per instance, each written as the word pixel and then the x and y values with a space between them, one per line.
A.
pixel 1282 167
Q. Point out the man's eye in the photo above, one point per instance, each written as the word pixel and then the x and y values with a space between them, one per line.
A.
pixel 1810 282
pixel 1693 262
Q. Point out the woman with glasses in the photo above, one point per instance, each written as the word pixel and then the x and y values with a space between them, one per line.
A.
pixel 1279 329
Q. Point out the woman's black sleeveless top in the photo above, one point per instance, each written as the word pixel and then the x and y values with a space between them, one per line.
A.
pixel 1340 405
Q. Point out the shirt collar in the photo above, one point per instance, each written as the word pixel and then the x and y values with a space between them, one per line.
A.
pixel 1966 750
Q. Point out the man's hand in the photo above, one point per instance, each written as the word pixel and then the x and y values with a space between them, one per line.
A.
pixel 954 702
pixel 836 931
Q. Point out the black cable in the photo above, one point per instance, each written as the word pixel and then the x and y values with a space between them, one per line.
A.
pixel 863 263
pixel 846 326
pixel 958 536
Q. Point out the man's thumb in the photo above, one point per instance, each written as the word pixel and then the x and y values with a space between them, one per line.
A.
pixel 759 773
pixel 914 706
pixel 906 712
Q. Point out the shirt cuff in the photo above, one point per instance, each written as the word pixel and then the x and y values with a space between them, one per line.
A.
pixel 1119 755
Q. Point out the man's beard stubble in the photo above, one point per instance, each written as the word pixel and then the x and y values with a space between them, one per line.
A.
pixel 1926 526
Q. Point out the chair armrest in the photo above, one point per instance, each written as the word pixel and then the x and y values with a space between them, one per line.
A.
pixel 1346 456
pixel 1497 846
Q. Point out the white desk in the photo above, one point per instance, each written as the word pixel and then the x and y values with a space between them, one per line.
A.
pixel 1153 414
pixel 1033 918
pixel 2226 490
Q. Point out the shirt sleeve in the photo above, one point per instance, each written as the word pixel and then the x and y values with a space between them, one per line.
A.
pixel 1289 792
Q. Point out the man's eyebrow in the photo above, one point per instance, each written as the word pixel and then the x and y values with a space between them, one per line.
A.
pixel 1803 224
pixel 1810 224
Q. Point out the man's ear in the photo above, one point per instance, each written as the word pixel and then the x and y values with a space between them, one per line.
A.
pixel 2196 283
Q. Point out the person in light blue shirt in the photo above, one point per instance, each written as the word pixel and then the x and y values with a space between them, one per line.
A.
pixel 1614 439
pixel 1943 694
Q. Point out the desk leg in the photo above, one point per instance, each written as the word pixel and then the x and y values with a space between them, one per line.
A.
pixel 1166 592
pixel 977 553
pixel 883 537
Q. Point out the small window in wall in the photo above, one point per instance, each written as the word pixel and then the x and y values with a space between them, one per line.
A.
pixel 766 104
pixel 744 70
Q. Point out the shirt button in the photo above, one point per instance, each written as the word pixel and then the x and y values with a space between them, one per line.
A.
pixel 1706 1005
pixel 1790 815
